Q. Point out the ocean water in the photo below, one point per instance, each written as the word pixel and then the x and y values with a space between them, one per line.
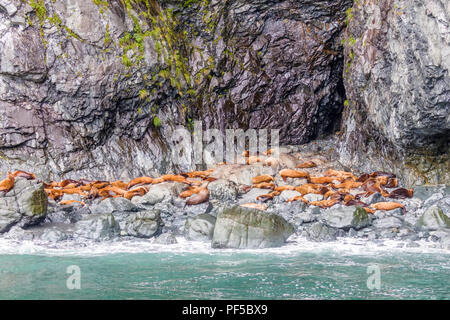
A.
pixel 299 270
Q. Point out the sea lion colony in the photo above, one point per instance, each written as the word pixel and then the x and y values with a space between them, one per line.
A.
pixel 336 187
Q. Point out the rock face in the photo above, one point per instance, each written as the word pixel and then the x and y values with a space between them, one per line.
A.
pixel 343 217
pixel 200 228
pixel 397 60
pixel 91 88
pixel 25 205
pixel 434 219
pixel 239 227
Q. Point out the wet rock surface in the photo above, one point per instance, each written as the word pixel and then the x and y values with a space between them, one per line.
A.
pixel 101 92
pixel 396 79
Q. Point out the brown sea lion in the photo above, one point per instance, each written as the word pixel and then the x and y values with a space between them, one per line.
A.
pixel 381 173
pixel 268 196
pixel 387 206
pixel 392 183
pixel 290 173
pixel 190 191
pixel 340 174
pixel 254 159
pixel 324 203
pixel 263 178
pixel 7 184
pixel 202 196
pixel 283 188
pixel 139 191
pixel 297 198
pixel 324 180
pixel 401 193
pixel 69 183
pixel 199 174
pixel 69 202
pixel 120 184
pixel 269 152
pixel 140 180
pixel 308 164
pixel 264 185
pixel 363 177
pixel 23 174
pixel 348 184
pixel 310 188
pixel 258 206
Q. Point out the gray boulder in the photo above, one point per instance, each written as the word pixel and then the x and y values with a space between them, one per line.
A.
pixel 112 205
pixel 434 219
pixel 388 222
pixel 145 224
pixel 222 189
pixel 97 227
pixel 26 205
pixel 166 238
pixel 200 228
pixel 320 232
pixel 159 193
pixel 343 217
pixel 239 227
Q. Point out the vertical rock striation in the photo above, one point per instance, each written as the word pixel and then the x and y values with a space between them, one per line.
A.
pixel 96 88
pixel 397 59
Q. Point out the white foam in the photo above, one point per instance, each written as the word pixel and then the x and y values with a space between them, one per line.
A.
pixel 295 245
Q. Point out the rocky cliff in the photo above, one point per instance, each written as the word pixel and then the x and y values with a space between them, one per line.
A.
pixel 396 74
pixel 97 88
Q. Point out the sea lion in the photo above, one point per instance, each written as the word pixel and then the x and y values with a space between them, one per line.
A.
pixel 23 174
pixel 268 196
pixel 174 178
pixel 140 180
pixel 392 183
pixel 264 185
pixel 348 184
pixel 387 206
pixel 190 191
pixel 7 184
pixel 120 184
pixel 290 173
pixel 340 174
pixel 254 159
pixel 258 206
pixel 381 173
pixel 202 196
pixel 308 164
pixel 198 174
pixel 283 188
pixel 269 152
pixel 357 203
pixel 324 180
pixel 263 178
pixel 140 191
pixel 324 203
pixel 69 202
pixel 297 198
pixel 69 183
pixel 363 177
pixel 310 188
pixel 401 193
pixel 373 186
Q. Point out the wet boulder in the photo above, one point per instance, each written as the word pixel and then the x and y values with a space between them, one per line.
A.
pixel 200 228
pixel 26 205
pixel 239 227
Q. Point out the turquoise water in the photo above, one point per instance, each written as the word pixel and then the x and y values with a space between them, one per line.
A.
pixel 289 273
